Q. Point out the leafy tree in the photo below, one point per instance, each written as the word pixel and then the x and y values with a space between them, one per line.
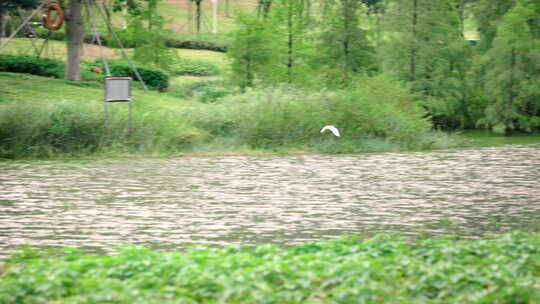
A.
pixel 419 32
pixel 513 70
pixel 7 6
pixel 291 20
pixel 147 28
pixel 263 7
pixel 424 45
pixel 253 51
pixel 344 48
pixel 488 14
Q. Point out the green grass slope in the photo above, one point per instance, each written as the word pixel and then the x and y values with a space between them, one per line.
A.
pixel 45 117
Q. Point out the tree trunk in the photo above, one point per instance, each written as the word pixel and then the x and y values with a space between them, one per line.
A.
pixel 511 94
pixel 412 72
pixel 348 13
pixel 198 15
pixel 290 44
pixel 263 7
pixel 4 18
pixel 461 13
pixel 75 39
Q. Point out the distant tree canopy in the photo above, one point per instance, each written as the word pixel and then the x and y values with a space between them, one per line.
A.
pixel 420 42
pixel 6 5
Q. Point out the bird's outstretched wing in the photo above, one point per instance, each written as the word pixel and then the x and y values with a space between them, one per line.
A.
pixel 332 129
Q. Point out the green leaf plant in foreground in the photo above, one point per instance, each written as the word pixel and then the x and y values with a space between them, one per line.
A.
pixel 380 269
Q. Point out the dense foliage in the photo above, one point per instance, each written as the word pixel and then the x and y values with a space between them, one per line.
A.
pixel 199 42
pixel 31 65
pixel 203 91
pixel 380 269
pixel 48 128
pixel 55 68
pixel 153 78
pixel 209 42
pixel 35 123
pixel 376 108
pixel 183 66
pixel 328 43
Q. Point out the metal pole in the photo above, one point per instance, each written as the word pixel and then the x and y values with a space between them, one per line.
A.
pixel 106 106
pixel 97 37
pixel 126 57
pixel 30 29
pixel 130 132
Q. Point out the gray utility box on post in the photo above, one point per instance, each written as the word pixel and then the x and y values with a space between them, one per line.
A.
pixel 117 89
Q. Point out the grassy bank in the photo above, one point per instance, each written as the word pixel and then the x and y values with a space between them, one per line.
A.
pixel 44 117
pixel 381 269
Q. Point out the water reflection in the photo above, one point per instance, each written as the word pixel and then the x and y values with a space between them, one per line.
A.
pixel 266 199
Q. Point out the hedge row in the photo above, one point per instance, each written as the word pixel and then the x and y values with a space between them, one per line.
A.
pixel 31 65
pixel 199 42
pixel 154 79
pixel 184 66
pixel 182 41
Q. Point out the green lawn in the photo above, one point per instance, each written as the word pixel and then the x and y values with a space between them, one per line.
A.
pixel 36 89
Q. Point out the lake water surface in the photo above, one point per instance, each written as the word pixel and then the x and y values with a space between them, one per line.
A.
pixel 168 203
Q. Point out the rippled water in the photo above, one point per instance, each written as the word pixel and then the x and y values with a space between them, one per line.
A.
pixel 173 202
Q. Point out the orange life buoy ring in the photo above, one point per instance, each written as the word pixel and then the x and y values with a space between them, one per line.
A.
pixel 58 21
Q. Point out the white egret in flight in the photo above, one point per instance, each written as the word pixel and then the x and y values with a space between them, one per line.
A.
pixel 332 129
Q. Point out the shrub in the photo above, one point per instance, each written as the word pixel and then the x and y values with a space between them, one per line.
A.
pixel 48 129
pixel 31 65
pixel 377 108
pixel 209 42
pixel 184 66
pixel 154 79
pixel 203 91
pixel 199 42
pixel 78 128
pixel 181 41
pixel 379 269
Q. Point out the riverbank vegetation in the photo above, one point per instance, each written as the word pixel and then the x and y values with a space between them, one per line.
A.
pixel 389 74
pixel 378 269
pixel 34 123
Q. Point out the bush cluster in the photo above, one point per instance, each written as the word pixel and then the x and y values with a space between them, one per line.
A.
pixel 31 65
pixel 380 269
pixel 203 91
pixel 154 79
pixel 73 128
pixel 184 66
pixel 182 41
pixel 199 42
pixel 284 116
